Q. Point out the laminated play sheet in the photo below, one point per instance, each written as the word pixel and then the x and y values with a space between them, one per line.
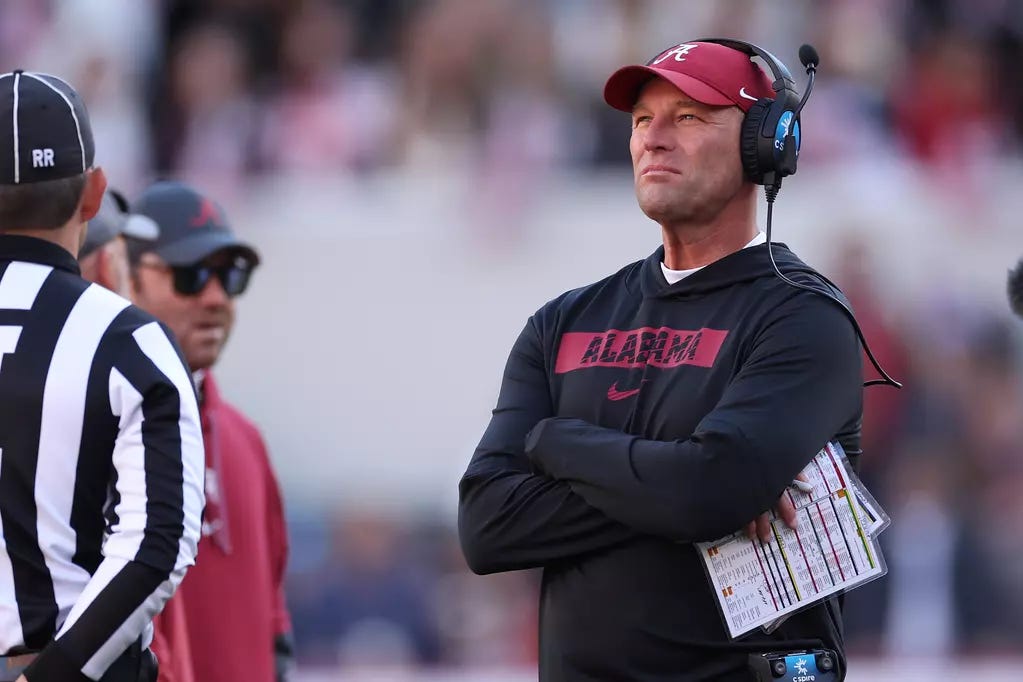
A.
pixel 833 549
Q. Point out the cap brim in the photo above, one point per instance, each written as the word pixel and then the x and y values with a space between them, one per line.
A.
pixel 194 249
pixel 140 227
pixel 622 88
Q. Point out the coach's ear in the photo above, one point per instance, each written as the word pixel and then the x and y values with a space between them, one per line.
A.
pixel 92 193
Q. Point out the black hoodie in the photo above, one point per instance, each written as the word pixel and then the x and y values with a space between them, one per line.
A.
pixel 636 418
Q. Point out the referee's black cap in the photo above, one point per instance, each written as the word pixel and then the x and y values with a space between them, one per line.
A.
pixel 192 226
pixel 44 129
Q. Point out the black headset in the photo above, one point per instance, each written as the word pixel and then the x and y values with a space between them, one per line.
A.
pixel 769 142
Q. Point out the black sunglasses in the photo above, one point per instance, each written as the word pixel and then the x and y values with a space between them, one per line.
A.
pixel 189 280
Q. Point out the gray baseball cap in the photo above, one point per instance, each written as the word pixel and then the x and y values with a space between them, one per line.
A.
pixel 192 226
pixel 114 219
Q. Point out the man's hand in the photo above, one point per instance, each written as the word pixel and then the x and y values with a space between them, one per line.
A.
pixel 761 526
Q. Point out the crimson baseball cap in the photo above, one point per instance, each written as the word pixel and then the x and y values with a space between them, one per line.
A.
pixel 192 226
pixel 708 72
pixel 44 129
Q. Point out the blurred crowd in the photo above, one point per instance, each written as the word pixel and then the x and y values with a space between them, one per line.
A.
pixel 218 92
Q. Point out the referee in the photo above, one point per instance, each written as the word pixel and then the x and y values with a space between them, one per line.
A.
pixel 101 454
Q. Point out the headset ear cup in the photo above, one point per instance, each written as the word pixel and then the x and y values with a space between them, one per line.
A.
pixel 749 142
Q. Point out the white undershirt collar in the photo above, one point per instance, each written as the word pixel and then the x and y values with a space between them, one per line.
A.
pixel 674 276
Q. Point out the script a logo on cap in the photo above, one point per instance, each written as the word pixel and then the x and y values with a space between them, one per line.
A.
pixel 207 212
pixel 680 52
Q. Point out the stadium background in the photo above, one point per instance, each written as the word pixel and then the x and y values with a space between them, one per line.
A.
pixel 421 175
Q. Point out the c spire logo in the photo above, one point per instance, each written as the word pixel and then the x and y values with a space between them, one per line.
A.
pixel 803 673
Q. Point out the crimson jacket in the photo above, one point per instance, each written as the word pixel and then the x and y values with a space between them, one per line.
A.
pixel 636 418
pixel 233 597
pixel 171 645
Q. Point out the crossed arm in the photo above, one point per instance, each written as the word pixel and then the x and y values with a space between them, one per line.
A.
pixel 542 488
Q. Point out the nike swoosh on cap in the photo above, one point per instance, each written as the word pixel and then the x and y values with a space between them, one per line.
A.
pixel 742 93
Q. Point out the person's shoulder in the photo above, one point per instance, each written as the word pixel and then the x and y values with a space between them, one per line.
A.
pixel 245 437
pixel 129 318
pixel 797 270
pixel 132 327
pixel 57 280
pixel 239 419
pixel 100 304
pixel 231 416
pixel 621 283
pixel 815 312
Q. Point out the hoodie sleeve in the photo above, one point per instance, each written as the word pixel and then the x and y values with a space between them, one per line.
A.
pixel 509 517
pixel 800 384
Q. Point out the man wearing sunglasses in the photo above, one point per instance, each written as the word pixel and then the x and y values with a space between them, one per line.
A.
pixel 189 277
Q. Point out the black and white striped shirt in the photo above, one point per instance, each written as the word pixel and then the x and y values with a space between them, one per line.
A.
pixel 101 465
